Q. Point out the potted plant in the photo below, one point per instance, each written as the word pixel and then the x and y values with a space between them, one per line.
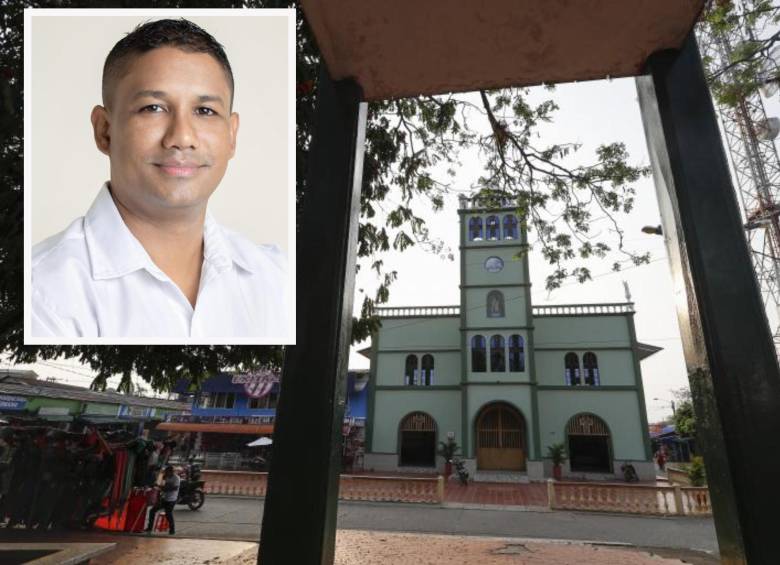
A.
pixel 447 449
pixel 557 452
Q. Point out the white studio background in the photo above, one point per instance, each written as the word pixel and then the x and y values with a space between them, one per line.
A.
pixel 68 53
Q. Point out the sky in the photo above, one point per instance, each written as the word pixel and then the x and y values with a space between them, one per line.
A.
pixel 591 113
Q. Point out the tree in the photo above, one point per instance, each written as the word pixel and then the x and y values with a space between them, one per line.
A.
pixel 747 31
pixel 684 418
pixel 408 143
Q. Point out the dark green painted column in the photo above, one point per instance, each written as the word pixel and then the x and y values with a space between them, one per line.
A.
pixel 729 353
pixel 299 522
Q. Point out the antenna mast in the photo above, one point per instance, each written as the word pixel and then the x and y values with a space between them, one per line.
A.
pixel 755 166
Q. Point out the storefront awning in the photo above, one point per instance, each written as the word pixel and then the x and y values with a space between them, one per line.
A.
pixel 255 429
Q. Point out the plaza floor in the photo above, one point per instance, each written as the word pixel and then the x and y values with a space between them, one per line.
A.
pixel 356 547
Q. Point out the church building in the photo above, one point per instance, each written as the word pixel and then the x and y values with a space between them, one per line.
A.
pixel 504 378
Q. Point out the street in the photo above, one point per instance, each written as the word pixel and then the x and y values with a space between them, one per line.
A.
pixel 239 519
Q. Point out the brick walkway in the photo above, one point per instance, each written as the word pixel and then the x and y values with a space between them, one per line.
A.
pixel 504 494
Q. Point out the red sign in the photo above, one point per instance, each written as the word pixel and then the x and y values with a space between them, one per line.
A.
pixel 257 383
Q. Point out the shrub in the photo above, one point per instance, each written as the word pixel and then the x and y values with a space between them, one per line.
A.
pixel 696 472
pixel 556 452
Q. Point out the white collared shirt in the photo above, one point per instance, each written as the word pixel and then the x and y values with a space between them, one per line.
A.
pixel 95 279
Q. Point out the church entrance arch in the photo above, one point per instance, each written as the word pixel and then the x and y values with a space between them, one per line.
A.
pixel 417 438
pixel 589 444
pixel 500 438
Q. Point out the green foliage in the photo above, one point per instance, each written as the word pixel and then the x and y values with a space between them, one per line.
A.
pixel 557 452
pixel 696 472
pixel 408 144
pixel 736 72
pixel 684 418
pixel 447 449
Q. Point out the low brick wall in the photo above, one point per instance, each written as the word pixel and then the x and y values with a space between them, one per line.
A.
pixel 392 489
pixel 351 487
pixel 634 499
pixel 238 483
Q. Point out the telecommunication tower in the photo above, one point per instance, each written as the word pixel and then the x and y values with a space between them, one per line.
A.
pixel 755 165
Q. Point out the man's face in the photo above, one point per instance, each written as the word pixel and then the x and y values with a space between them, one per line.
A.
pixel 169 132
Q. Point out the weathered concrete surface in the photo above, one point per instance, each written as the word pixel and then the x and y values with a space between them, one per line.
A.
pixel 357 547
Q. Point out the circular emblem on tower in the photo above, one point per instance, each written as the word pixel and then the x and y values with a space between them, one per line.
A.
pixel 494 264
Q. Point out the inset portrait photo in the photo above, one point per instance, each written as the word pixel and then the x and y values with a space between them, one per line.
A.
pixel 159 176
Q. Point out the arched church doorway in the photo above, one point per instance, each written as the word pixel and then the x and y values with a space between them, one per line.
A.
pixel 417 438
pixel 500 438
pixel 589 444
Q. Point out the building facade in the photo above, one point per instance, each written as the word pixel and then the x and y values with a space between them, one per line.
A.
pixel 24 395
pixel 503 378
pixel 230 410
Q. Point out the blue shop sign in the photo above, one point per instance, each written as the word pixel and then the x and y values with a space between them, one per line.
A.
pixel 134 411
pixel 12 402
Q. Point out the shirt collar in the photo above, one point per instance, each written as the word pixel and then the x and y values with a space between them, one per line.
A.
pixel 115 252
pixel 218 248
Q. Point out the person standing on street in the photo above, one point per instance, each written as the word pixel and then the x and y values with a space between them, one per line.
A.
pixel 168 496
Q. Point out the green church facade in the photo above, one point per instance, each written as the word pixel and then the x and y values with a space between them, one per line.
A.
pixel 503 378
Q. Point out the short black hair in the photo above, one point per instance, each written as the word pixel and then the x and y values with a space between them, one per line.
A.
pixel 181 34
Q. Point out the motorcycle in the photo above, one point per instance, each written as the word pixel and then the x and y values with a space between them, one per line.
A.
pixel 629 473
pixel 460 469
pixel 191 488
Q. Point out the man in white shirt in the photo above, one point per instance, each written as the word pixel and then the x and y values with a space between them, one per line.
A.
pixel 148 260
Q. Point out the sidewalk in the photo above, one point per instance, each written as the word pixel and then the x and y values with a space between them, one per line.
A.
pixel 356 547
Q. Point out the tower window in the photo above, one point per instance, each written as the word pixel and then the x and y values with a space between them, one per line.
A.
pixel 493 228
pixel 516 354
pixel 510 227
pixel 475 229
pixel 497 354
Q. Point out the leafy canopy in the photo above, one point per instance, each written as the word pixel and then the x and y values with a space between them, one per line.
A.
pixel 410 167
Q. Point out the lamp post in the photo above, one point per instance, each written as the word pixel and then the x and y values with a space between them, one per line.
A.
pixel 674 408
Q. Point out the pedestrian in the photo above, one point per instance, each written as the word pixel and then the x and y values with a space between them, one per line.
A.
pixel 661 459
pixel 167 500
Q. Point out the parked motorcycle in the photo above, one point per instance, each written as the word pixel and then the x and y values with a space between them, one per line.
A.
pixel 191 488
pixel 629 473
pixel 460 470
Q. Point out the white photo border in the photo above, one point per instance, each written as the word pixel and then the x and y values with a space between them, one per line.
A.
pixel 289 13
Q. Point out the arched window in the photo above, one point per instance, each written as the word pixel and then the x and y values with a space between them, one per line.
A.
pixel 475 229
pixel 493 228
pixel 497 354
pixel 427 370
pixel 590 367
pixel 516 354
pixel 410 371
pixel 572 372
pixel 495 304
pixel 478 364
pixel 510 226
